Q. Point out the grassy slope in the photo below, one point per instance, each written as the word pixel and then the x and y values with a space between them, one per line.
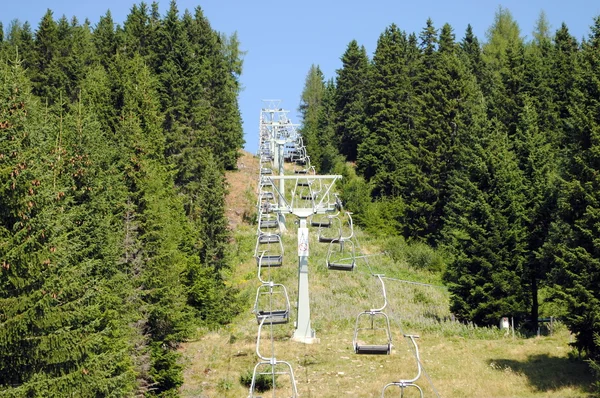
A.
pixel 460 361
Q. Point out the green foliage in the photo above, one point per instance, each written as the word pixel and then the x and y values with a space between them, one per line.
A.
pixel 262 383
pixel 112 227
pixel 350 100
pixel 418 255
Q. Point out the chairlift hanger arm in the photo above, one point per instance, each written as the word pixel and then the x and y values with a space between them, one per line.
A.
pixel 379 276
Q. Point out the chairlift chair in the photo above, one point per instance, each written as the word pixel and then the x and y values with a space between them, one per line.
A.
pixel 305 167
pixel 269 235
pixel 374 316
pixel 267 221
pixel 272 303
pixel 266 195
pixel 402 384
pixel 341 255
pixel 272 367
pixel 269 252
pixel 320 221
pixel 311 191
pixel 333 231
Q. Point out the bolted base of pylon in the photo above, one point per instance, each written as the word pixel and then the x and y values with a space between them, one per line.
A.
pixel 306 339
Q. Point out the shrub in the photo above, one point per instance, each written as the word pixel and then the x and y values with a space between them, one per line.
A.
pixel 262 383
pixel 422 256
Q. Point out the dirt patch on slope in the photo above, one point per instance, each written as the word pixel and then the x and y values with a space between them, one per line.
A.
pixel 240 201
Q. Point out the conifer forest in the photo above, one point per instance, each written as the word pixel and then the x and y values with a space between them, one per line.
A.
pixel 115 140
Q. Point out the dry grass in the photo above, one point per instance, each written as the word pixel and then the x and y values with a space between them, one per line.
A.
pixel 460 361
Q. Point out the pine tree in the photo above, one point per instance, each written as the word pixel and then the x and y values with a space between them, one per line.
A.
pixel 538 162
pixel 70 333
pixel 329 155
pixel 574 251
pixel 46 49
pixel 471 48
pixel 351 91
pixel 485 230
pixel 449 116
pixel 105 40
pixel 310 108
pixel 161 237
pixel 382 153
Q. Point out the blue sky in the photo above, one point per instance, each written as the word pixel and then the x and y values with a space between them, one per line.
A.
pixel 283 38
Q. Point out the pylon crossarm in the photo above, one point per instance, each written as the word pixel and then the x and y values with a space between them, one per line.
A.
pixel 318 207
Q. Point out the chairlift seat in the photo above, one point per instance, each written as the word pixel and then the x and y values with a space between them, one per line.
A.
pixel 270 260
pixel 266 195
pixel 373 349
pixel 321 223
pixel 268 238
pixel 276 317
pixel 310 196
pixel 266 170
pixel 269 223
pixel 337 266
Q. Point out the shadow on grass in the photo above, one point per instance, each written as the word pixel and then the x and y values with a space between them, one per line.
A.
pixel 548 373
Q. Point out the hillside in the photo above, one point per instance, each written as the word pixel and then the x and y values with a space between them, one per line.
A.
pixel 459 360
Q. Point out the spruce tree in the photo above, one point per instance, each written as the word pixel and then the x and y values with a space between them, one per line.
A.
pixel 326 126
pixel 574 252
pixel 485 230
pixel 352 84
pixel 310 107
pixel 70 334
pixel 382 152
pixel 472 49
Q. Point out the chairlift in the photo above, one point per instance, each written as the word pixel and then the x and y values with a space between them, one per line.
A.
pixel 311 191
pixel 306 167
pixel 266 171
pixel 341 255
pixel 272 303
pixel 267 221
pixel 266 237
pixel 378 323
pixel 269 252
pixel 270 366
pixel 402 384
pixel 333 231
pixel 349 226
pixel 265 182
pixel 321 221
pixel 266 195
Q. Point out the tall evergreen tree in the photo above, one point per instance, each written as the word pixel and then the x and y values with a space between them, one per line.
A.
pixel 70 333
pixel 575 252
pixel 485 230
pixel 351 93
pixel 382 153
pixel 326 126
pixel 472 49
pixel 310 107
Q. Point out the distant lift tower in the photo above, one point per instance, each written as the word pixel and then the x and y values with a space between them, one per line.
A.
pixel 292 202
